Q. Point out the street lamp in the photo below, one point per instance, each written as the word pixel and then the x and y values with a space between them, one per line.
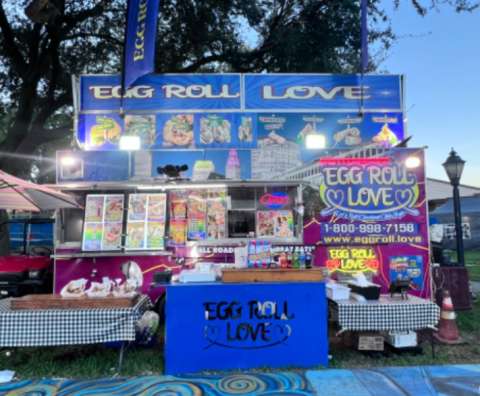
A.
pixel 454 168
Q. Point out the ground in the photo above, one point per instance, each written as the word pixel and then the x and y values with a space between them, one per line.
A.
pixel 99 361
pixel 472 261
pixel 96 361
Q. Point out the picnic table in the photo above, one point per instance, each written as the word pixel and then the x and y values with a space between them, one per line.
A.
pixel 56 327
pixel 386 314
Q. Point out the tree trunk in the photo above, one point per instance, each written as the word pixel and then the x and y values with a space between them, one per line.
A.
pixel 19 131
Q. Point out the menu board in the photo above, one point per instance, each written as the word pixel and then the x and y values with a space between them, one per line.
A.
pixel 178 218
pixel 216 214
pixel 103 222
pixel 146 222
pixel 197 213
pixel 275 224
pixel 207 212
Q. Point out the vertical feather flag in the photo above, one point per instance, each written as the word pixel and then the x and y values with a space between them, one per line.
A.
pixel 140 35
pixel 364 35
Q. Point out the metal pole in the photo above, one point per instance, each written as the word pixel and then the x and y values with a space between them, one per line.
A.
pixel 458 225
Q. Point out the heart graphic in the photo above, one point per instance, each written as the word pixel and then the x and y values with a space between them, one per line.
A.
pixel 403 197
pixel 335 197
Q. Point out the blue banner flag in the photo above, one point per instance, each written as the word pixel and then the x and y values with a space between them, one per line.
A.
pixel 364 35
pixel 139 52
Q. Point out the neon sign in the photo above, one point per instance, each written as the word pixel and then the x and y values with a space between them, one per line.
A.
pixel 274 200
pixel 352 260
pixel 371 190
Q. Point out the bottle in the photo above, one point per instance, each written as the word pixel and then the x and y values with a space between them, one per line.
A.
pixel 283 261
pixel 295 260
pixel 301 259
pixel 289 260
pixel 308 260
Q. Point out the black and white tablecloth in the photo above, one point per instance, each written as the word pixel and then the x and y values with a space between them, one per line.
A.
pixel 386 314
pixel 26 328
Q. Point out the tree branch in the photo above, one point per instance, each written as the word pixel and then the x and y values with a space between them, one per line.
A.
pixel 49 135
pixel 93 35
pixel 203 61
pixel 49 107
pixel 10 45
pixel 71 20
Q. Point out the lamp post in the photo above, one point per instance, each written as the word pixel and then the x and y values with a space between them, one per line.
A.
pixel 454 168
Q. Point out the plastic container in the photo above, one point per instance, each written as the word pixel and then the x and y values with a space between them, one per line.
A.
pixel 402 339
pixel 336 291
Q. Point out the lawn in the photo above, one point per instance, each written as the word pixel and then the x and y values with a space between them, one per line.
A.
pixel 98 361
pixel 472 261
pixel 469 352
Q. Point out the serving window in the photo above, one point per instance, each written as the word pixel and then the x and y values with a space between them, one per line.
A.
pixel 152 221
pixel 262 212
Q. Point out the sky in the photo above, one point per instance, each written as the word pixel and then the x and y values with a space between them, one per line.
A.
pixel 439 54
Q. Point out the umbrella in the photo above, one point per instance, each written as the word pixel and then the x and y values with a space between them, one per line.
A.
pixel 18 194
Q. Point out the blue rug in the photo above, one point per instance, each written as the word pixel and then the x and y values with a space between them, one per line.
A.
pixel 270 384
pixel 459 380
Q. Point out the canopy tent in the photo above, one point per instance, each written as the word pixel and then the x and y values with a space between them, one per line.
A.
pixel 18 194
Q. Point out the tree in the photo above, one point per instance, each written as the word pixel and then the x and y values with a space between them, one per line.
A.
pixel 60 38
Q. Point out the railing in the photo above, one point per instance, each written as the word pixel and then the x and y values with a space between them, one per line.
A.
pixel 311 173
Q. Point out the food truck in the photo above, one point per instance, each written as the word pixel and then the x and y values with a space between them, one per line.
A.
pixel 191 175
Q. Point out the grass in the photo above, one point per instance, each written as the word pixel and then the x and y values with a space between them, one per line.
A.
pixel 467 353
pixel 472 261
pixel 99 361
pixel 80 362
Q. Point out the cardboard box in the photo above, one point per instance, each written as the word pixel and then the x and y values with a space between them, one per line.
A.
pixel 272 275
pixel 370 342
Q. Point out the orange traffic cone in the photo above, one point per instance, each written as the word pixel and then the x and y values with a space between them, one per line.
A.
pixel 447 328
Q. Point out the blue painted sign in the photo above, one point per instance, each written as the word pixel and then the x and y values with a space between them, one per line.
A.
pixel 219 159
pixel 240 326
pixel 139 56
pixel 214 130
pixel 251 92
pixel 310 92
pixel 84 166
pixel 162 92
pixel 267 118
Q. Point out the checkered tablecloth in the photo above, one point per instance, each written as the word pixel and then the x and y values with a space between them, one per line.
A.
pixel 386 314
pixel 26 328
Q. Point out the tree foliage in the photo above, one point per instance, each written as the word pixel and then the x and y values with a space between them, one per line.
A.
pixel 41 52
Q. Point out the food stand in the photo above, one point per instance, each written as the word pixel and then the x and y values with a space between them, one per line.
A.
pixel 219 184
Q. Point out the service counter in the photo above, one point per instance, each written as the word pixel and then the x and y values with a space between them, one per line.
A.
pixel 218 326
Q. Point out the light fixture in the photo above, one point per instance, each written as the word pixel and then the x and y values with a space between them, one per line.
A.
pixel 68 160
pixel 412 162
pixel 130 143
pixel 454 167
pixel 315 141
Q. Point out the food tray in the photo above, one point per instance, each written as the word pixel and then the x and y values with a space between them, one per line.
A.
pixel 55 301
pixel 272 275
pixel 369 292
